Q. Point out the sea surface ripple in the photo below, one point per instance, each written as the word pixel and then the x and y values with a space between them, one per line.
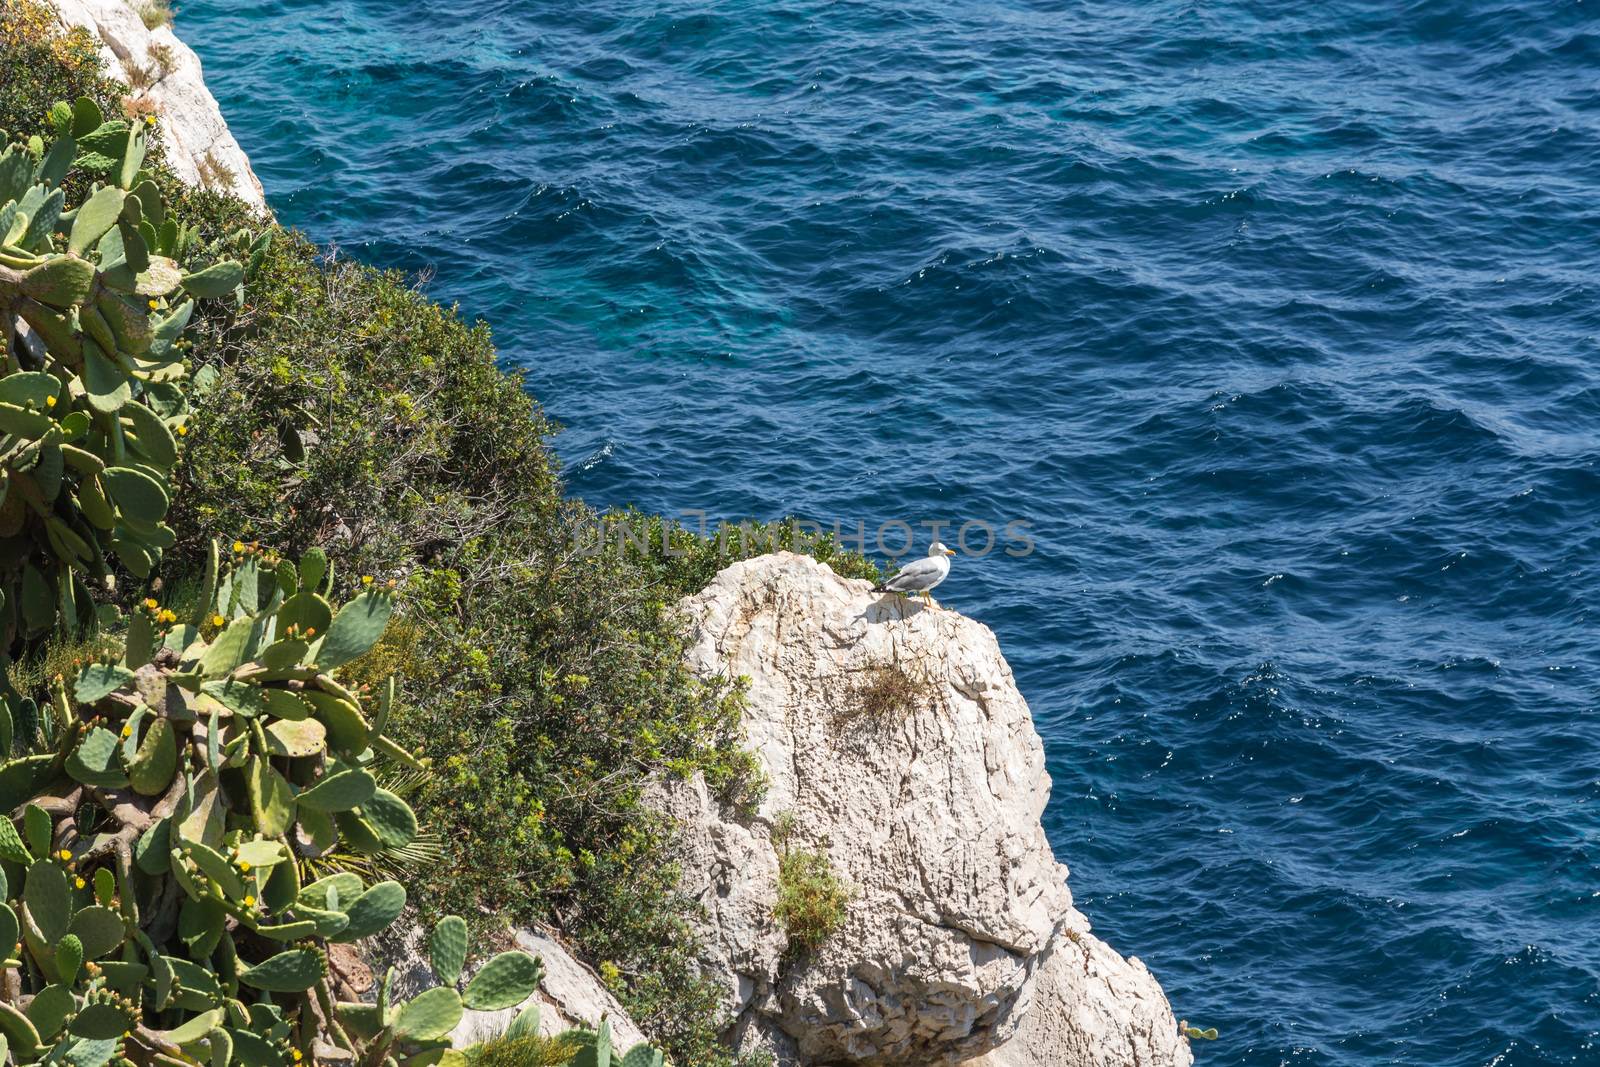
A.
pixel 1279 322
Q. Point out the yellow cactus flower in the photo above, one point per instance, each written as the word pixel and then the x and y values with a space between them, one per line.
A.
pixel 49 401
pixel 127 731
pixel 244 866
pixel 150 602
pixel 217 620
pixel 79 882
pixel 65 854
pixel 238 547
pixel 366 579
pixel 183 431
pixel 249 900
pixel 154 304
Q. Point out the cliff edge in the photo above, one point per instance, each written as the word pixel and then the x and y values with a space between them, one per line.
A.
pixel 897 746
pixel 164 79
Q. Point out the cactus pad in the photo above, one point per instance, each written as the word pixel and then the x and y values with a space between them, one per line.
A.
pixel 99 931
pixel 48 899
pixel 293 971
pixel 430 1015
pixel 49 1009
pixel 155 762
pixel 390 818
pixel 373 910
pixel 505 981
pixel 358 626
pixel 105 1020
pixel 340 791
pixel 447 948
pixel 643 1056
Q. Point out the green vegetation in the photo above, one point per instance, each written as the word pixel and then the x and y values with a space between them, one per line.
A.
pixel 344 409
pixel 59 67
pixel 96 297
pixel 175 795
pixel 521 1046
pixel 684 562
pixel 811 898
pixel 335 409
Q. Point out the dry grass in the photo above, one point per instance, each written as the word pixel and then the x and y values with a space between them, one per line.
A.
pixel 885 692
pixel 163 59
pixel 881 695
pixel 138 78
pixel 213 174
pixel 155 13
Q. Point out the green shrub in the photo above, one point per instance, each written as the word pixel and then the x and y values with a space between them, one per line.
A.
pixel 811 898
pixel 682 561
pixel 60 66
pixel 521 1046
pixel 155 13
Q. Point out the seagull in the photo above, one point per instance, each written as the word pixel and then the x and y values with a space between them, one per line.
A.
pixel 921 576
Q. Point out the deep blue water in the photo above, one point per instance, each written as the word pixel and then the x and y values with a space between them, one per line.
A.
pixel 1280 323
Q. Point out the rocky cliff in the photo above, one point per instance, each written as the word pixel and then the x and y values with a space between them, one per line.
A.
pixel 164 78
pixel 898 751
pixel 896 745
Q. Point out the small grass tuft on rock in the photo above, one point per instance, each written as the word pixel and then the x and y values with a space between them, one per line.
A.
pixel 811 898
pixel 155 13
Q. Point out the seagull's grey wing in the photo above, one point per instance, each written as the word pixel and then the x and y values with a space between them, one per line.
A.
pixel 914 577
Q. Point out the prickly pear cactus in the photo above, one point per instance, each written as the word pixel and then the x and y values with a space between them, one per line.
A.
pixel 416 1032
pixel 155 892
pixel 93 300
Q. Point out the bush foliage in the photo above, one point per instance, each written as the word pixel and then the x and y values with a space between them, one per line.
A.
pixel 811 897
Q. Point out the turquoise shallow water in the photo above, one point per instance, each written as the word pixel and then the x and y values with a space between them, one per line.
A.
pixel 1279 323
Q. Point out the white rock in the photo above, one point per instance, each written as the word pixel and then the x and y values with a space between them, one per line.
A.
pixel 961 926
pixel 200 147
pixel 571 995
pixel 1091 1008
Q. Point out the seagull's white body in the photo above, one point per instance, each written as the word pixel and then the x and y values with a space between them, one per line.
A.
pixel 921 576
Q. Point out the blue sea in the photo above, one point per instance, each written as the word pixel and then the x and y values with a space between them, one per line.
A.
pixel 1279 323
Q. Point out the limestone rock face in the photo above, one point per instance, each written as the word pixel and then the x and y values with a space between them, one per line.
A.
pixel 897 744
pixel 1091 1008
pixel 164 75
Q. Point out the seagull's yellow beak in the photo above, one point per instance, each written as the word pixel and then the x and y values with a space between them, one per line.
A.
pixel 949 551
